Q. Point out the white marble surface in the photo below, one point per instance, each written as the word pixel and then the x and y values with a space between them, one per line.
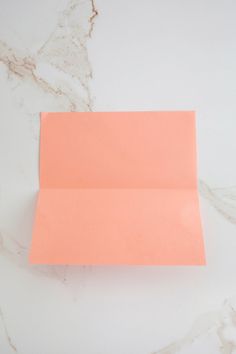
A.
pixel 61 55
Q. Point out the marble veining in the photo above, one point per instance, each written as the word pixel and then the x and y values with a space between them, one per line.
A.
pixel 60 67
pixel 217 328
pixel 222 199
pixel 8 337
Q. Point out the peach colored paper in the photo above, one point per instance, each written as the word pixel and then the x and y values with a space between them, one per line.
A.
pixel 118 188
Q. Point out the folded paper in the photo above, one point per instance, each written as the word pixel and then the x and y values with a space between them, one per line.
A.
pixel 118 188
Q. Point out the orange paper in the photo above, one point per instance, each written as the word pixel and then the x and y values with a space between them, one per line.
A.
pixel 118 188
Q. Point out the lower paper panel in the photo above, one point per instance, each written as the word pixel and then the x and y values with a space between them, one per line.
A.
pixel 117 226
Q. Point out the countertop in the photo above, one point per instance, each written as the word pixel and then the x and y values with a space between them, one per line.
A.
pixel 84 55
